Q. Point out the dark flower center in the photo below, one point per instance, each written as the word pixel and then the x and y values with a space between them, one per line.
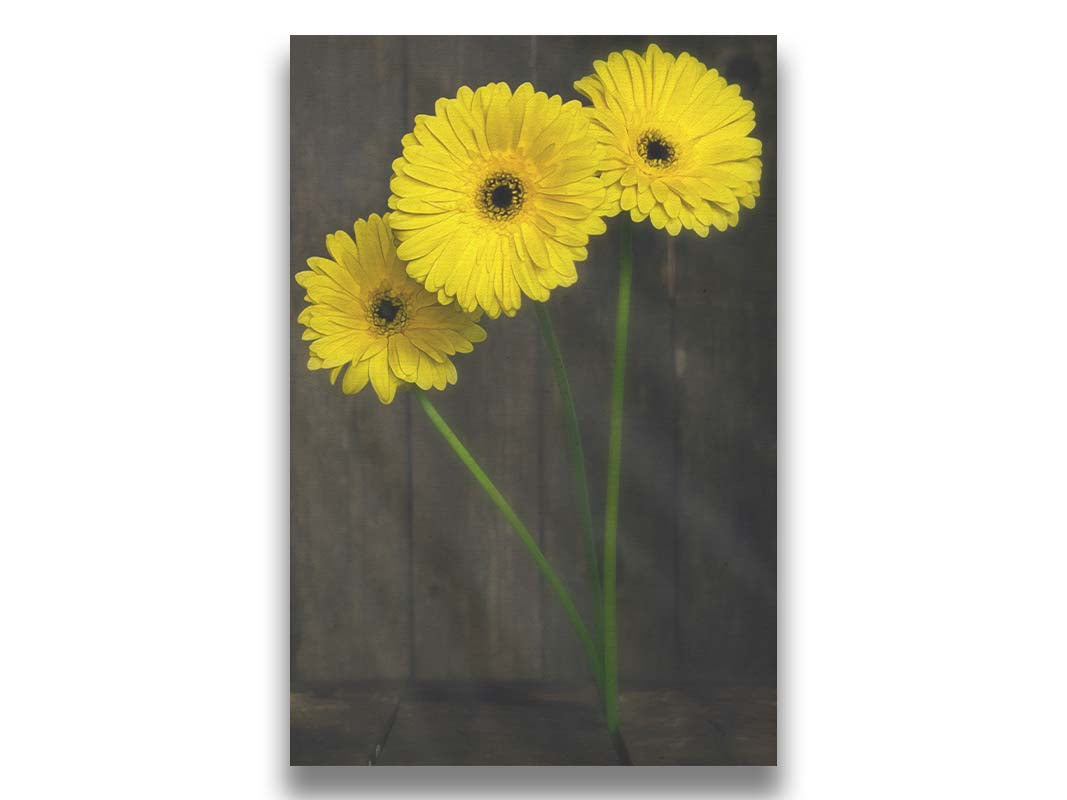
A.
pixel 655 149
pixel 501 196
pixel 387 311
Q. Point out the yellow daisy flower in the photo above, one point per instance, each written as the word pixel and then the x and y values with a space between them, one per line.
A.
pixel 368 315
pixel 496 196
pixel 677 142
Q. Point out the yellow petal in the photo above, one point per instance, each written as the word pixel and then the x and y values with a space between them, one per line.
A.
pixel 645 201
pixel 424 377
pixel 381 378
pixel 498 122
pixel 440 376
pixel 356 377
pixel 407 356
pixel 658 217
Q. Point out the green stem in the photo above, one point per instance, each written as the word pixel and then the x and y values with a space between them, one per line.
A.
pixel 611 505
pixel 576 455
pixel 528 541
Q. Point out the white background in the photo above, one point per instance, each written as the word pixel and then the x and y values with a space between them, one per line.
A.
pixel 922 394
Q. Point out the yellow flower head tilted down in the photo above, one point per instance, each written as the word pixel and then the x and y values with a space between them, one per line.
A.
pixel 677 140
pixel 368 315
pixel 496 196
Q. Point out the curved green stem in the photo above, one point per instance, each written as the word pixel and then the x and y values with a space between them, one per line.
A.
pixel 576 455
pixel 528 541
pixel 611 505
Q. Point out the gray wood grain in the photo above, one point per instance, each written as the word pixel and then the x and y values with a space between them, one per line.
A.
pixel 583 316
pixel 726 362
pixel 339 726
pixel 477 613
pixel 498 726
pixel 400 565
pixel 350 527
pixel 448 724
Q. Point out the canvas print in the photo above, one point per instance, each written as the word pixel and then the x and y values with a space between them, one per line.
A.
pixel 533 400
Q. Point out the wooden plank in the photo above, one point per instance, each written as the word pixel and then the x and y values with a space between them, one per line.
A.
pixel 477 613
pixel 350 545
pixel 500 726
pixel 338 726
pixel 734 726
pixel 648 507
pixel 585 316
pixel 504 725
pixel 726 362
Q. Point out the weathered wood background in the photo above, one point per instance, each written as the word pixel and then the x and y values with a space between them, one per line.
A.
pixel 401 568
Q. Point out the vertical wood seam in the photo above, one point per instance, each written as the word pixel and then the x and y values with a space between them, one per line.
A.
pixel 539 366
pixel 676 460
pixel 406 99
